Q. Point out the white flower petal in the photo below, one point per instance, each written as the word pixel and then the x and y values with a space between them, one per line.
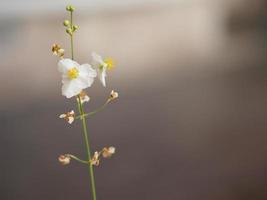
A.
pixel 72 112
pixel 65 64
pixel 71 88
pixel 82 82
pixel 97 58
pixel 71 119
pixel 87 70
pixel 102 76
pixel 62 116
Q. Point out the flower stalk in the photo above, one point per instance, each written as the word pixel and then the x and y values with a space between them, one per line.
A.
pixel 75 79
pixel 85 132
pixel 81 111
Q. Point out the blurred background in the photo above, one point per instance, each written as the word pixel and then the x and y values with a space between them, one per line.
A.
pixel 190 121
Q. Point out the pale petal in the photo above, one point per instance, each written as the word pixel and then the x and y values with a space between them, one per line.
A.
pixel 87 70
pixel 84 82
pixel 71 119
pixel 102 76
pixel 71 88
pixel 111 150
pixel 62 116
pixel 72 112
pixel 65 64
pixel 97 58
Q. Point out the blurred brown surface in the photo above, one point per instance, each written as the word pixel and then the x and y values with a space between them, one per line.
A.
pixel 190 122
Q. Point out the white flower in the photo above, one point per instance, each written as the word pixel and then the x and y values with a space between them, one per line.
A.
pixel 75 77
pixel 102 66
pixel 69 116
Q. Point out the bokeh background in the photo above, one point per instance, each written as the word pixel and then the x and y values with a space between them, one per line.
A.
pixel 191 119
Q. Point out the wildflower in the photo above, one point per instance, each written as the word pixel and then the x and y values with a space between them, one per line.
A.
pixel 57 50
pixel 84 97
pixel 95 159
pixel 69 116
pixel 108 152
pixel 102 66
pixel 113 95
pixel 75 77
pixel 64 159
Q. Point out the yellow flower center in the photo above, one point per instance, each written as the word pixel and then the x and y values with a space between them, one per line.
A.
pixel 109 62
pixel 73 73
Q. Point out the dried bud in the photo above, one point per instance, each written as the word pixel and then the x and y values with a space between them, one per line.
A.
pixel 57 50
pixel 84 97
pixel 108 152
pixel 95 159
pixel 69 116
pixel 113 95
pixel 64 159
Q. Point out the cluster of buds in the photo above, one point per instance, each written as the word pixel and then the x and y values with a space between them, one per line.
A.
pixel 57 50
pixel 68 24
pixel 106 152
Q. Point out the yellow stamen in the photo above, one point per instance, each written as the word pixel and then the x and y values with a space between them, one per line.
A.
pixel 73 73
pixel 109 62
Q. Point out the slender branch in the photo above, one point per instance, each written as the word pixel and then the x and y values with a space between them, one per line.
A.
pixel 93 112
pixel 91 170
pixel 78 159
pixel 71 36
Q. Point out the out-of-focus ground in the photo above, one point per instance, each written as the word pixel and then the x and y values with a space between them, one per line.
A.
pixel 190 122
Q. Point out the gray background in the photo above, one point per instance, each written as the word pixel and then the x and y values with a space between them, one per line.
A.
pixel 190 121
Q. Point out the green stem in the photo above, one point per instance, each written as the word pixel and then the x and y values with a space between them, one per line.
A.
pixel 71 36
pixel 78 159
pixel 91 169
pixel 93 112
pixel 85 132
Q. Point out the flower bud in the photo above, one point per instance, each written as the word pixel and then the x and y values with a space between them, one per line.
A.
pixel 66 23
pixel 57 50
pixel 113 95
pixel 95 159
pixel 108 152
pixel 83 97
pixel 64 159
pixel 70 8
pixel 75 27
pixel 69 31
pixel 69 116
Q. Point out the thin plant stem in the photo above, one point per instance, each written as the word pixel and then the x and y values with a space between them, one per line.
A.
pixel 78 159
pixel 85 132
pixel 71 36
pixel 93 112
pixel 91 169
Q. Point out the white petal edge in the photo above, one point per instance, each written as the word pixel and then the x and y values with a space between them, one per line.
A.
pixel 87 70
pixel 65 64
pixel 97 58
